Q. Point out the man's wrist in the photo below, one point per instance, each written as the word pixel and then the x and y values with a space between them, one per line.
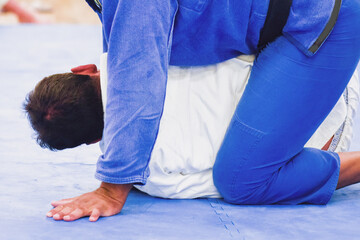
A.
pixel 118 191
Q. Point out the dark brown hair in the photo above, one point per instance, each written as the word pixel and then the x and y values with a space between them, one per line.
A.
pixel 66 111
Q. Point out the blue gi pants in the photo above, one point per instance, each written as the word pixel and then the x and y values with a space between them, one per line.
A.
pixel 262 159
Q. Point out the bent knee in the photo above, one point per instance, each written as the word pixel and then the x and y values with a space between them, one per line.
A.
pixel 242 194
pixel 235 162
pixel 236 188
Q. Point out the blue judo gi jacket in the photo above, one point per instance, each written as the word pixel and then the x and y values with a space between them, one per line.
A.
pixel 142 37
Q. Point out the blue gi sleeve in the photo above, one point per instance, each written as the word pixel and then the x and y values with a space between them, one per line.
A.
pixel 138 37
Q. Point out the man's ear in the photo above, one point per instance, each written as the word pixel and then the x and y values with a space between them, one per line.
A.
pixel 85 69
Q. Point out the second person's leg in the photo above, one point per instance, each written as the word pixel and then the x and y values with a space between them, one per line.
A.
pixel 262 159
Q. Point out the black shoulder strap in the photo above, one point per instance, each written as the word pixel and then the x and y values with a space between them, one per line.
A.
pixel 95 5
pixel 276 19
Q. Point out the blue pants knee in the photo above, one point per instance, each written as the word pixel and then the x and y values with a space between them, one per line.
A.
pixel 262 159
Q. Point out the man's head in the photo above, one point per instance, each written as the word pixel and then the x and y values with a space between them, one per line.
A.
pixel 66 109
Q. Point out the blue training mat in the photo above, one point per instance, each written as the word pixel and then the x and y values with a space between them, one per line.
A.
pixel 32 177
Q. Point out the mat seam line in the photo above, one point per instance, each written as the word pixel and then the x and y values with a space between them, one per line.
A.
pixel 224 218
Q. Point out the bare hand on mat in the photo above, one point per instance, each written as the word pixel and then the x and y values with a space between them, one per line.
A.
pixel 105 201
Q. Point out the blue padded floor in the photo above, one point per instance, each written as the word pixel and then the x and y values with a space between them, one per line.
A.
pixel 31 177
